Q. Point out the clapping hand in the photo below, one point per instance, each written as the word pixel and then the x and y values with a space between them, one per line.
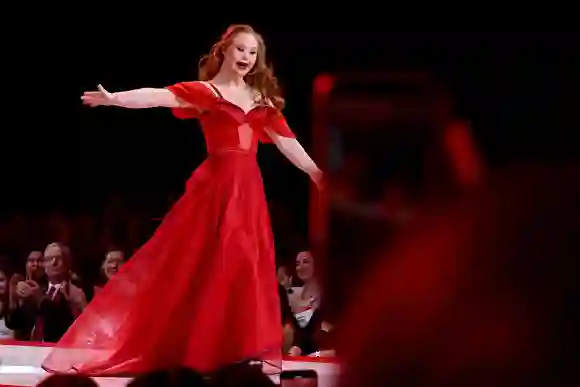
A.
pixel 29 290
pixel 75 297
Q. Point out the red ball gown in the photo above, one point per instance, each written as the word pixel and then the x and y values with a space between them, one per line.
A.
pixel 202 292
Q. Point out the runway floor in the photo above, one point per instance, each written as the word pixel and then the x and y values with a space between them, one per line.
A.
pixel 20 366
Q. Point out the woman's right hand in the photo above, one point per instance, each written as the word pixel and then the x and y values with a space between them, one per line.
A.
pixel 101 97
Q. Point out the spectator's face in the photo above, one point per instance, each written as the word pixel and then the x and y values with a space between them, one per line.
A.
pixel 34 264
pixel 54 261
pixel 304 266
pixel 113 261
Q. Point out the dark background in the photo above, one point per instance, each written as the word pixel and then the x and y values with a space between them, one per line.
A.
pixel 519 89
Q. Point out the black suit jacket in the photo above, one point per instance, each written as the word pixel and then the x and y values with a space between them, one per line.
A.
pixel 57 317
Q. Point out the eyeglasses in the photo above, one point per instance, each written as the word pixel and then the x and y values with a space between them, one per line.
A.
pixel 51 259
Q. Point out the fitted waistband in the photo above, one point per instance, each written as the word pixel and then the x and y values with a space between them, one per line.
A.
pixel 223 152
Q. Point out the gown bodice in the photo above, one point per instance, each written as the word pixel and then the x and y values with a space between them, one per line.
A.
pixel 225 125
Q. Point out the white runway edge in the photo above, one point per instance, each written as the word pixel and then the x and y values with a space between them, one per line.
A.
pixel 20 366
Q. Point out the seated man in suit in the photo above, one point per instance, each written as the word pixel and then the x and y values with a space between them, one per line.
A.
pixel 48 310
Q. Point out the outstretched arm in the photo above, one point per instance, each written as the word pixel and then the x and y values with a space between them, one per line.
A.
pixel 134 99
pixel 291 148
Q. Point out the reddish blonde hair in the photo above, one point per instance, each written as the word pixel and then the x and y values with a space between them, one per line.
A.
pixel 261 77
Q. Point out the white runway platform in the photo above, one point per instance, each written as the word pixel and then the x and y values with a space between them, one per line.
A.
pixel 20 366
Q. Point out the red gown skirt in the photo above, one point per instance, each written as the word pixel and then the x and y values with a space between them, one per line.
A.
pixel 201 293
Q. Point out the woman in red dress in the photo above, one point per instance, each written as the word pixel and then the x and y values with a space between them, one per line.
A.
pixel 202 292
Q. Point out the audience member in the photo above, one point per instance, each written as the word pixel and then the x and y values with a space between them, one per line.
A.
pixel 44 311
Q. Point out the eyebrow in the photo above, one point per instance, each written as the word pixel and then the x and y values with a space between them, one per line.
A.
pixel 250 47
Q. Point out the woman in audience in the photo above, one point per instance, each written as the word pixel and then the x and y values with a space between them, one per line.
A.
pixel 114 259
pixel 5 332
pixel 34 269
pixel 34 274
pixel 311 330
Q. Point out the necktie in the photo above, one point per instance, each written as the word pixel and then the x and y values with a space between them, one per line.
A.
pixel 38 330
pixel 52 292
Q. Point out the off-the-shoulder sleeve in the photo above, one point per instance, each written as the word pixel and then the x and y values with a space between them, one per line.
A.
pixel 197 95
pixel 276 122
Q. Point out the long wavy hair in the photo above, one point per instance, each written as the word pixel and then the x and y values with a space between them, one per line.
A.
pixel 4 298
pixel 261 77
